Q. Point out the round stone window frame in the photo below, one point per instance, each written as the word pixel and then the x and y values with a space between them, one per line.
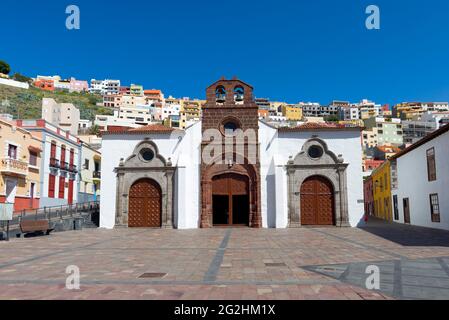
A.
pixel 227 120
pixel 145 150
pixel 316 147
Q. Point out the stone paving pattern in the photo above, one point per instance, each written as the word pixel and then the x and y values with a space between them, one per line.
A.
pixel 223 264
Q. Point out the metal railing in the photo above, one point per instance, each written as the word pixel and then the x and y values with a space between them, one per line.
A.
pixel 54 163
pixel 51 213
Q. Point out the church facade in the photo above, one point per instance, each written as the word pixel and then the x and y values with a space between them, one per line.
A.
pixel 230 169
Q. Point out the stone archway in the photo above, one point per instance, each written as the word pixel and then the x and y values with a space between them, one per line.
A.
pixel 230 200
pixel 315 159
pixel 145 164
pixel 250 174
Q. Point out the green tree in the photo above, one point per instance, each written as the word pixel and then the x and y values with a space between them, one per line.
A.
pixel 331 118
pixel 4 67
pixel 94 130
pixel 21 78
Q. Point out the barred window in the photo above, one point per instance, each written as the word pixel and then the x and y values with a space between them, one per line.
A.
pixel 434 208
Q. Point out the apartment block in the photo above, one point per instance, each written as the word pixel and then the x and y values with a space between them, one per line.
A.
pixel 292 112
pixel 409 110
pixel 64 115
pixel 386 131
pixel 104 87
pixel 420 126
pixel 60 162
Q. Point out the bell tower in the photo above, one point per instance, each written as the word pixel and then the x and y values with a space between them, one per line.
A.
pixel 230 174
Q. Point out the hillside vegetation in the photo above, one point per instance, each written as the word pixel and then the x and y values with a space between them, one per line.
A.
pixel 27 104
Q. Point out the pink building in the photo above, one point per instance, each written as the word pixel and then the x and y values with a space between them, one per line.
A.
pixel 78 85
pixel 368 196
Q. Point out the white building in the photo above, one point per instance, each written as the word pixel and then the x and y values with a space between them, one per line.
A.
pixel 104 122
pixel 104 87
pixel 422 175
pixel 156 176
pixel 63 115
pixel 60 162
pixel 421 125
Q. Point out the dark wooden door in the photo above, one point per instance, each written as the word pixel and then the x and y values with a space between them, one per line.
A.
pixel 233 189
pixel 406 203
pixel 145 205
pixel 317 202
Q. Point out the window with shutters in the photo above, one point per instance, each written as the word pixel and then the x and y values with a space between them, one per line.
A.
pixel 434 208
pixel 51 186
pixel 431 165
pixel 61 187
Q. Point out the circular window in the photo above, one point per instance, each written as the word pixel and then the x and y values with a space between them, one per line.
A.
pixel 230 127
pixel 315 152
pixel 147 154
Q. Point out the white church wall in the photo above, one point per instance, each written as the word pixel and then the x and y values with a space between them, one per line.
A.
pixel 115 147
pixel 275 149
pixel 344 142
pixel 267 141
pixel 188 179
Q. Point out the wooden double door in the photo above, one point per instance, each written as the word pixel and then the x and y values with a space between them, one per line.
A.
pixel 230 200
pixel 317 202
pixel 145 205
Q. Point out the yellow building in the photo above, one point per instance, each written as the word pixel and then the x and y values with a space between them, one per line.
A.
pixel 292 112
pixel 190 111
pixel 20 161
pixel 382 192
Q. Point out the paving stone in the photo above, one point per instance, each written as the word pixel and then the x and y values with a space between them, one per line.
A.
pixel 228 264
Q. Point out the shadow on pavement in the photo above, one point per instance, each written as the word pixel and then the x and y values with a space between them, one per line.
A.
pixel 406 235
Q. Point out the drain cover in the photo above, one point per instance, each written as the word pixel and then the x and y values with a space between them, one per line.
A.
pixel 152 275
pixel 278 264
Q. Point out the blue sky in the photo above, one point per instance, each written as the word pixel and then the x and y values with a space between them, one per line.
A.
pixel 288 50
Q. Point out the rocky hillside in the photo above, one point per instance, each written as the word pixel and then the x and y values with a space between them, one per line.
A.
pixel 27 104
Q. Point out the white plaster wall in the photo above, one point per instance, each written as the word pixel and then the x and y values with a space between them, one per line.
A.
pixel 413 183
pixel 184 151
pixel 269 188
pixel 188 179
pixel 115 147
pixel 275 157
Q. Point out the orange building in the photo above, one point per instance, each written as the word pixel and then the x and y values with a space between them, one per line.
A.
pixel 45 84
pixel 263 113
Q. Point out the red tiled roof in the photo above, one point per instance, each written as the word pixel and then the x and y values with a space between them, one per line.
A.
pixel 152 128
pixel 152 91
pixel 320 126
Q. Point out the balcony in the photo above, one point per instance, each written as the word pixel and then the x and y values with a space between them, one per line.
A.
pixel 13 167
pixel 54 163
pixel 96 175
pixel 65 166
